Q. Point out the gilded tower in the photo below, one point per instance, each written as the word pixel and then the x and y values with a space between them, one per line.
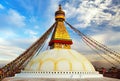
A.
pixel 60 37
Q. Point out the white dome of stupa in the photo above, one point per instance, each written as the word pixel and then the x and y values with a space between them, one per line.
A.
pixel 60 60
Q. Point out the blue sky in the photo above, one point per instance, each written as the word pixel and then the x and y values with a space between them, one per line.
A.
pixel 24 21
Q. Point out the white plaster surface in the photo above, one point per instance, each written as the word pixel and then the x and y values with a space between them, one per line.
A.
pixel 59 60
pixel 58 74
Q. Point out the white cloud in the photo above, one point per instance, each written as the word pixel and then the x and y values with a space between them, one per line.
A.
pixel 31 33
pixel 15 18
pixel 115 20
pixel 8 34
pixel 11 46
pixel 1 6
pixel 70 11
pixel 12 18
pixel 23 42
pixel 100 37
pixel 93 11
pixel 9 52
pixel 109 38
pixel 54 4
pixel 4 42
pixel 10 49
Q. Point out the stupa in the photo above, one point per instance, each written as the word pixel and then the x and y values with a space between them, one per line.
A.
pixel 60 62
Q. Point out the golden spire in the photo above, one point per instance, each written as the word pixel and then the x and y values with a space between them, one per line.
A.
pixel 60 8
pixel 60 15
pixel 60 37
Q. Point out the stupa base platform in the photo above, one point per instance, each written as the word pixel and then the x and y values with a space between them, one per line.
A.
pixel 59 79
pixel 59 74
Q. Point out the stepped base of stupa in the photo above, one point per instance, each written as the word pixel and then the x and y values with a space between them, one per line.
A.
pixel 59 79
pixel 58 74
